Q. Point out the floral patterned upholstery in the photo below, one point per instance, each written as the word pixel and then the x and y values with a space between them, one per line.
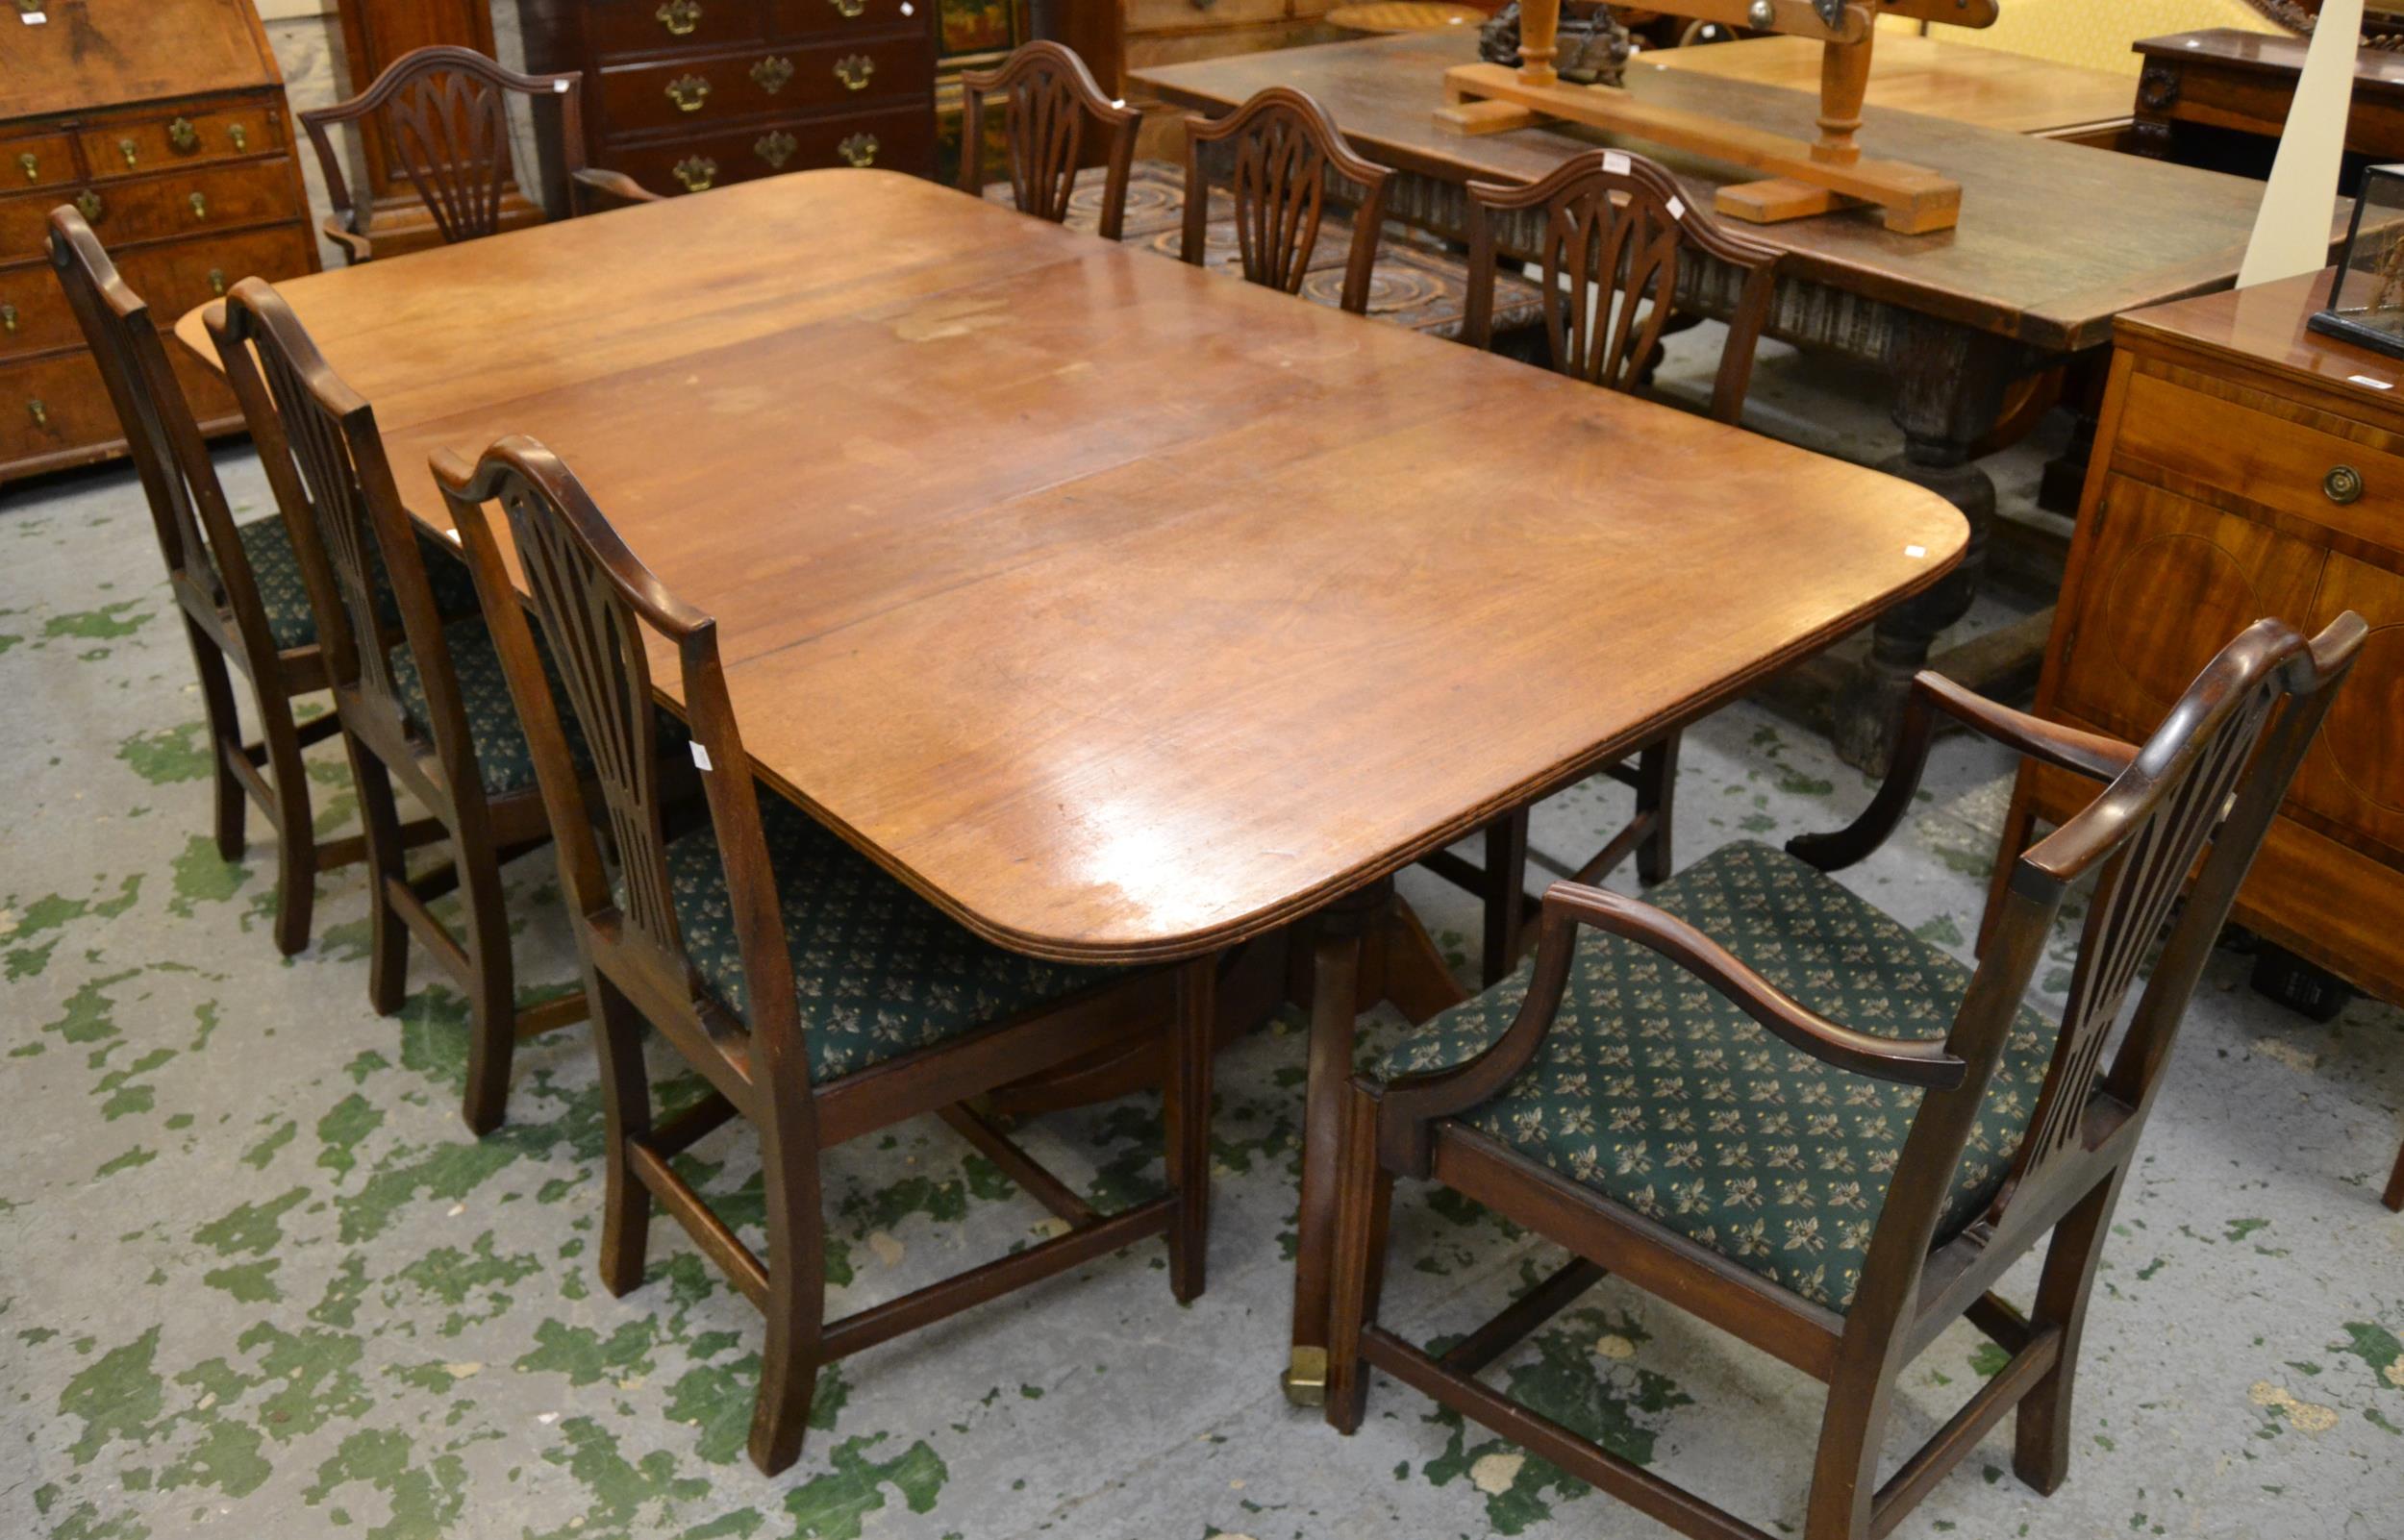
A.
pixel 284 594
pixel 878 971
pixel 505 762
pixel 1659 1092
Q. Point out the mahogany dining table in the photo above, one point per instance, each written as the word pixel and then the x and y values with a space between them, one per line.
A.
pixel 1128 612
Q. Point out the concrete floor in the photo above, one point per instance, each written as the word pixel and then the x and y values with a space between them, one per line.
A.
pixel 256 1279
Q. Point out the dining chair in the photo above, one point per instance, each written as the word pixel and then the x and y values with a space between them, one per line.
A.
pixel 238 585
pixel 1050 98
pixel 1764 1100
pixel 441 115
pixel 1288 161
pixel 818 997
pixel 418 688
pixel 1617 230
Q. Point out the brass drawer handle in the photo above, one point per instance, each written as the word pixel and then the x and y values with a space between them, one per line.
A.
pixel 854 70
pixel 184 137
pixel 216 282
pixel 696 172
pixel 860 150
pixel 31 165
pixel 2343 483
pixel 131 151
pixel 680 17
pixel 39 411
pixel 689 92
pixel 7 319
pixel 771 73
pixel 200 205
pixel 850 8
pixel 240 136
pixel 776 149
pixel 88 204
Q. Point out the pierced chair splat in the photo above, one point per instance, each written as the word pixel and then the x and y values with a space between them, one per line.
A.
pixel 1049 99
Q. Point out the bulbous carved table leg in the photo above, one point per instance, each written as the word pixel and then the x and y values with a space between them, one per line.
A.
pixel 1950 393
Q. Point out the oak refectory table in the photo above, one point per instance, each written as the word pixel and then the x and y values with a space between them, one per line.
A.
pixel 2055 240
pixel 1129 612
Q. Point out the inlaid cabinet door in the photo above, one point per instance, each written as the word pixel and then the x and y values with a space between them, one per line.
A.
pixel 2355 773
pixel 2166 583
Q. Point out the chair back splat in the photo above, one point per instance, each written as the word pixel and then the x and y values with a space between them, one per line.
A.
pixel 1288 161
pixel 1049 98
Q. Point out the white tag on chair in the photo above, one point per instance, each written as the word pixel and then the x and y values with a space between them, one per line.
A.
pixel 1615 162
pixel 1677 208
pixel 701 757
pixel 558 88
pixel 34 19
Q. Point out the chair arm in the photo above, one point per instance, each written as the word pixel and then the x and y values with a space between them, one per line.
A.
pixel 1409 1103
pixel 591 183
pixel 356 247
pixel 2089 753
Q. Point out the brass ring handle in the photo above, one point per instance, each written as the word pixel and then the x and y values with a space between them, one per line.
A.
pixel 39 411
pixel 88 203
pixel 696 172
pixel 771 73
pixel 776 149
pixel 689 92
pixel 130 150
pixel 854 70
pixel 680 17
pixel 860 150
pixel 7 319
pixel 850 8
pixel 31 165
pixel 185 137
pixel 216 282
pixel 200 204
pixel 240 136
pixel 2344 484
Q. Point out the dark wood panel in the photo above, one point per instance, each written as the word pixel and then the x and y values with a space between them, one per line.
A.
pixel 613 27
pixel 696 94
pixel 899 138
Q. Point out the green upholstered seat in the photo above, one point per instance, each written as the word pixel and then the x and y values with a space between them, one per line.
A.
pixel 1659 1092
pixel 505 762
pixel 878 971
pixel 283 593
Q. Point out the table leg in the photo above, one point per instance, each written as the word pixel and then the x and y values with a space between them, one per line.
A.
pixel 1366 947
pixel 1951 384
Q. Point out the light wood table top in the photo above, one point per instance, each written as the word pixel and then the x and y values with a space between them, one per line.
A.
pixel 1910 73
pixel 1404 15
pixel 1122 608
pixel 2055 240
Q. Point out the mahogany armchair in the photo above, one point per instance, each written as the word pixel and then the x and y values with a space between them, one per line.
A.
pixel 442 113
pixel 1765 1100
pixel 819 996
pixel 417 687
pixel 1050 98
pixel 1616 230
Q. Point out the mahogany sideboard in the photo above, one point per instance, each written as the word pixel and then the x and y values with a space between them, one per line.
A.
pixel 2247 467
pixel 683 95
pixel 164 121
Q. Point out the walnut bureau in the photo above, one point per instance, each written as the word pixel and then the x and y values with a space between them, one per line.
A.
pixel 2242 469
pixel 685 95
pixel 164 121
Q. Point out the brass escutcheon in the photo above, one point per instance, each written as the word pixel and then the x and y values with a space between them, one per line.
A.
pixel 88 204
pixel 854 70
pixel 860 150
pixel 696 172
pixel 183 136
pixel 2343 483
pixel 680 17
pixel 776 149
pixel 771 73
pixel 689 92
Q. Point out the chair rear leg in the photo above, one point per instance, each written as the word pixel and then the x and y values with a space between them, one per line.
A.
pixel 796 1302
pixel 1506 890
pixel 296 833
pixel 2395 1198
pixel 225 738
pixel 1362 1204
pixel 1657 793
pixel 1186 1102
pixel 626 1116
pixel 493 993
pixel 2041 1428
pixel 387 934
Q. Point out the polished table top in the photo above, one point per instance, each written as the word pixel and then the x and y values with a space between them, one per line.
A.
pixel 1910 73
pixel 1122 608
pixel 2055 239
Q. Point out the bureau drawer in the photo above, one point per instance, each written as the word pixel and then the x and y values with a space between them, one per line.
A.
pixel 693 93
pixel 33 313
pixel 795 20
pixel 208 199
pixel 899 138
pixel 36 161
pixel 36 318
pixel 2311 465
pixel 658 26
pixel 136 146
pixel 54 406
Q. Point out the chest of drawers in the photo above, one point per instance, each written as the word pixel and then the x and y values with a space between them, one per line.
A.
pixel 683 95
pixel 164 122
pixel 2245 466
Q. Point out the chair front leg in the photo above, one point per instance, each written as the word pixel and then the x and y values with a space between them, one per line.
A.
pixel 626 1117
pixel 492 993
pixel 1186 1107
pixel 225 739
pixel 2394 1197
pixel 296 834
pixel 796 1301
pixel 2041 1428
pixel 380 824
pixel 1852 1434
pixel 1365 1204
pixel 1657 794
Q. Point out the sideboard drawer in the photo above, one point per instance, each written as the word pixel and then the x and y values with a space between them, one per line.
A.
pixel 696 92
pixel 36 161
pixel 33 313
pixel 900 138
pixel 53 406
pixel 214 198
pixel 2330 470
pixel 658 26
pixel 179 278
pixel 834 20
pixel 136 147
